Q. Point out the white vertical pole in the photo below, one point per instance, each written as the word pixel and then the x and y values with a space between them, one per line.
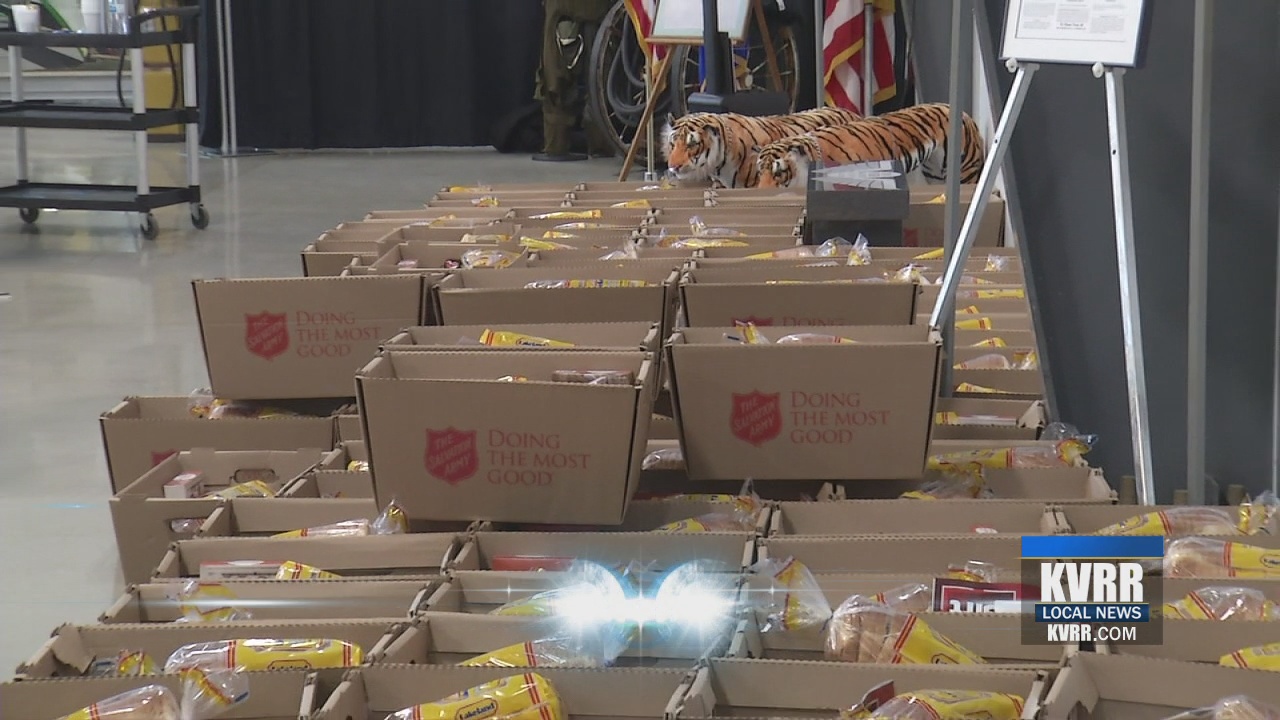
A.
pixel 221 30
pixel 1198 251
pixel 946 303
pixel 137 76
pixel 16 95
pixel 231 82
pixel 651 137
pixel 1130 309
pixel 189 102
pixel 868 67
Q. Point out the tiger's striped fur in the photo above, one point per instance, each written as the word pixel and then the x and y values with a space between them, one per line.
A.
pixel 916 136
pixel 721 146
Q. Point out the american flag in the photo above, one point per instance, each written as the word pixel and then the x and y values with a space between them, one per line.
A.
pixel 642 13
pixel 842 43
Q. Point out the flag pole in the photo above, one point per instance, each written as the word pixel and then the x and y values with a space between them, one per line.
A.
pixel 868 79
pixel 819 54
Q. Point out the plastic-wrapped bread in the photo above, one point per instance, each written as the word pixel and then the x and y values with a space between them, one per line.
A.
pixel 1252 517
pixel 862 630
pixel 912 598
pixel 549 652
pixel 944 705
pixel 594 377
pixel 1223 603
pixel 1258 657
pixel 266 654
pixel 204 695
pixel 1236 707
pixel 201 602
pixel 1205 557
pixel 391 521
pixel 795 601
pixel 521 697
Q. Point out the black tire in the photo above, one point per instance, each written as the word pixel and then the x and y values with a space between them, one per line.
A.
pixel 200 217
pixel 29 215
pixel 615 80
pixel 149 228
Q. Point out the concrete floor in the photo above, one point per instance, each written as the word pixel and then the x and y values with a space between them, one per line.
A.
pixel 97 313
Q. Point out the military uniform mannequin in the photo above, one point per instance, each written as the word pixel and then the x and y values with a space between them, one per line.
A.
pixel 565 51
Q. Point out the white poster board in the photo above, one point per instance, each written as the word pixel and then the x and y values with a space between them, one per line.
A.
pixel 680 21
pixel 1074 32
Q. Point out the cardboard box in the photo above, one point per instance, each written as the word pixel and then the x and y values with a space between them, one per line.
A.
pixel 283 600
pixel 259 517
pixel 720 297
pixel 272 696
pixel 650 514
pixel 447 217
pixel 299 337
pixel 143 517
pixel 926 221
pixel 1010 384
pixel 432 257
pixel 996 637
pixel 329 255
pixel 451 441
pixel 903 517
pixel 857 411
pixel 72 649
pixel 416 555
pixel 584 336
pixel 452 638
pixel 349 428
pixel 585 256
pixel 532 216
pixel 140 432
pixel 734 218
pixel 797 689
pixel 772 229
pixel 983 419
pixel 1011 338
pixel 378 691
pixel 1127 687
pixel 1074 485
pixel 660 198
pixel 895 554
pixel 474 297
pixel 1178 588
pixel 656 551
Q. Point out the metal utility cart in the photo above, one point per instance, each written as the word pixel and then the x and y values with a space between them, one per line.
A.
pixel 19 113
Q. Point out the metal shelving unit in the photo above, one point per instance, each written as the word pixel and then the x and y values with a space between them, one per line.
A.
pixel 20 113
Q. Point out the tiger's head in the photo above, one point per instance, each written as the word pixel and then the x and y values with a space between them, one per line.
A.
pixel 693 145
pixel 781 165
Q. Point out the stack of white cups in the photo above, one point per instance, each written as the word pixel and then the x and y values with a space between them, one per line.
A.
pixel 91 11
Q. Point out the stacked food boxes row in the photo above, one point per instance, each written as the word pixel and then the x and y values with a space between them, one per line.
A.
pixel 407 482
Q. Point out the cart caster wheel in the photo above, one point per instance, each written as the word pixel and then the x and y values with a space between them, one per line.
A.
pixel 29 215
pixel 149 228
pixel 200 217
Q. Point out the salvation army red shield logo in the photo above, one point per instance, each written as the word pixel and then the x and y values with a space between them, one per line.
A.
pixel 756 417
pixel 266 335
pixel 752 320
pixel 451 454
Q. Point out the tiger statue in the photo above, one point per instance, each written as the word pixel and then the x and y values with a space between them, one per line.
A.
pixel 720 147
pixel 916 137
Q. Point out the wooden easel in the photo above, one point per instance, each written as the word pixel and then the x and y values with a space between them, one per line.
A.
pixel 659 82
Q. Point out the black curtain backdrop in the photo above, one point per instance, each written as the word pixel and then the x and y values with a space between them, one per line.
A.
pixel 378 73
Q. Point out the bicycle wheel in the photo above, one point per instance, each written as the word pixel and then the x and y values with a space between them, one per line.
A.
pixel 615 80
pixel 751 67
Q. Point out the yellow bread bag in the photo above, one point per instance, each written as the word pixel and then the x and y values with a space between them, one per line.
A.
pixel 862 630
pixel 1223 603
pixel 129 663
pixel 477 258
pixel 1236 707
pixel 1064 453
pixel 545 244
pixel 579 284
pixel 253 488
pixel 550 652
pixel 266 654
pixel 201 602
pixel 991 342
pixel 1251 518
pixel 204 695
pixel 1261 657
pixel 541 604
pixel 568 215
pixel 391 521
pixel 944 705
pixel 290 570
pixel 358 466
pixel 504 338
pixel 795 601
pixel 519 697
pixel 1206 557
pixel 953 483
pixel 951 417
